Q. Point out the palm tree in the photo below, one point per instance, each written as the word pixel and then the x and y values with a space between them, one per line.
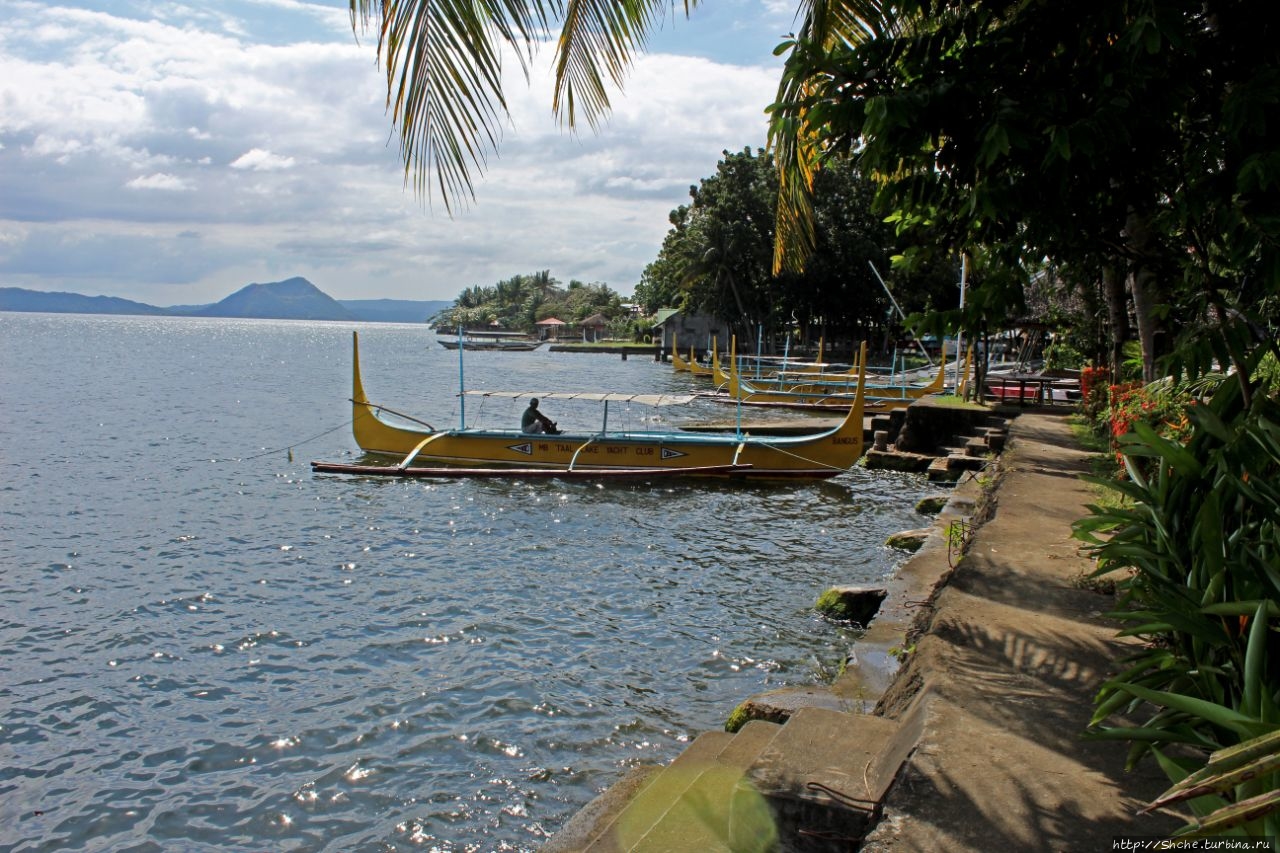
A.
pixel 443 61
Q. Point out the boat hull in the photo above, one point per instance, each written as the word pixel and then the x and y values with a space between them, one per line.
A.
pixel 492 346
pixel 446 472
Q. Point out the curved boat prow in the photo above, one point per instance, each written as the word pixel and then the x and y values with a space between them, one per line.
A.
pixel 357 387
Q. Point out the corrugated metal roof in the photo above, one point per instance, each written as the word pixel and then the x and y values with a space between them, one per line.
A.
pixel 664 314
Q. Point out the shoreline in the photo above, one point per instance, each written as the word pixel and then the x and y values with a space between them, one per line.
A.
pixel 958 723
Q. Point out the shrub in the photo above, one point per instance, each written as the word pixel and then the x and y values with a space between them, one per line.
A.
pixel 1197 551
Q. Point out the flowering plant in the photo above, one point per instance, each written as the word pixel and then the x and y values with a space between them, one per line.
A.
pixel 1164 410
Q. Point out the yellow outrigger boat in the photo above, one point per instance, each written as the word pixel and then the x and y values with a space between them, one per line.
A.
pixel 828 395
pixel 690 366
pixel 465 452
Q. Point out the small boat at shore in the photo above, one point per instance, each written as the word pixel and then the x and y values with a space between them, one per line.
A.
pixel 424 451
pixel 491 344
pixel 835 396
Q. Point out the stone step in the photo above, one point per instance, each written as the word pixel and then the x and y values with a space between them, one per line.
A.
pixel 748 791
pixel 967 463
pixel 939 471
pixel 826 771
pixel 822 749
pixel 646 807
pixel 719 811
pixel 692 798
pixel 746 746
pixel 584 827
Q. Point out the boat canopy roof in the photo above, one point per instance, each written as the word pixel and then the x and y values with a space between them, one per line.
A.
pixel 644 399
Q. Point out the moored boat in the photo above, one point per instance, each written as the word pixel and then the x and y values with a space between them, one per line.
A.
pixel 421 449
pixel 491 344
pixel 883 398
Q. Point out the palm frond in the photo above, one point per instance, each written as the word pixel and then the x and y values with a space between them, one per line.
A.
pixel 828 27
pixel 598 42
pixel 443 61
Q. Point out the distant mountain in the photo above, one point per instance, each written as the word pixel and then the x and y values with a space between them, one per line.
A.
pixel 292 299
pixel 18 299
pixel 394 310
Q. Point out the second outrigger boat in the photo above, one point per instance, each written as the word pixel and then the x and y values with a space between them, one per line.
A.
pixel 419 450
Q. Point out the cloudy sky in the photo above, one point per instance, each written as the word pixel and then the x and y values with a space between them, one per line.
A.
pixel 172 152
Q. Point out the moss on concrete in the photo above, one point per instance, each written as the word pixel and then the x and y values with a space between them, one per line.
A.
pixel 931 505
pixel 832 604
pixel 739 718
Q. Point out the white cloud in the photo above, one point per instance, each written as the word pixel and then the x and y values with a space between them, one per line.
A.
pixel 159 181
pixel 266 135
pixel 259 160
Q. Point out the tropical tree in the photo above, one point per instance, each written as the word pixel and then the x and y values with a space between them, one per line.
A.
pixel 521 301
pixel 717 257
pixel 444 63
pixel 1128 139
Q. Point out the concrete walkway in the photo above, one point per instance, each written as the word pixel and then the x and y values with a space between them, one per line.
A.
pixel 975 743
pixel 1012 655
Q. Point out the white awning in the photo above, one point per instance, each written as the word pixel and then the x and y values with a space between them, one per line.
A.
pixel 643 399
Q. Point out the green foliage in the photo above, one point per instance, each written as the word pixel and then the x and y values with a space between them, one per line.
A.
pixel 717 257
pixel 737 719
pixel 521 301
pixel 1228 770
pixel 832 605
pixel 1061 355
pixel 1197 552
pixel 1122 142
pixel 1160 406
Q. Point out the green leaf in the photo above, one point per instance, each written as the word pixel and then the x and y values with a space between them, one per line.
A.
pixel 1255 662
pixel 1210 712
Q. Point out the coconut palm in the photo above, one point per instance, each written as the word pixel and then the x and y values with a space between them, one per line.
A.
pixel 443 61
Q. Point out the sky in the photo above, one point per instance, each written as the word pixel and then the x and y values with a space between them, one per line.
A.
pixel 173 152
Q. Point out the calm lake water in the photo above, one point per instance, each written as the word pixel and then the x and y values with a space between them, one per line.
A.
pixel 205 647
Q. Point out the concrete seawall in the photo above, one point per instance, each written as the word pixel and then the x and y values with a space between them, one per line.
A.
pixel 957 725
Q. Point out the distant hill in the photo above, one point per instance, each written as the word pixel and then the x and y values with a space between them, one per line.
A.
pixel 394 310
pixel 291 299
pixel 18 299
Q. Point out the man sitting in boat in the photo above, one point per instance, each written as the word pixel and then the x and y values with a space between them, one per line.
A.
pixel 535 422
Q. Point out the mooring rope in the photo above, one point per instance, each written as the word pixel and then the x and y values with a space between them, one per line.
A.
pixel 290 447
pixel 802 458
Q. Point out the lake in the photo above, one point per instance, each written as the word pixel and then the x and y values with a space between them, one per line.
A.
pixel 204 646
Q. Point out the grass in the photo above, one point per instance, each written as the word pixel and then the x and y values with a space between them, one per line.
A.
pixel 954 402
pixel 1102 464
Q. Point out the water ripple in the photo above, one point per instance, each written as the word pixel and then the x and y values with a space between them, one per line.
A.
pixel 208 654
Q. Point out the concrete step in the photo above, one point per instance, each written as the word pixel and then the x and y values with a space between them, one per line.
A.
pixel 826 772
pixel 819 773
pixel 719 811
pixel 822 749
pixel 584 827
pixel 940 472
pixel 695 797
pixel 746 746
pixel 621 830
pixel 967 463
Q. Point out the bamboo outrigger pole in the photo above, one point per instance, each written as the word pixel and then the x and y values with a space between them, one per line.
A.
pixel 900 314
